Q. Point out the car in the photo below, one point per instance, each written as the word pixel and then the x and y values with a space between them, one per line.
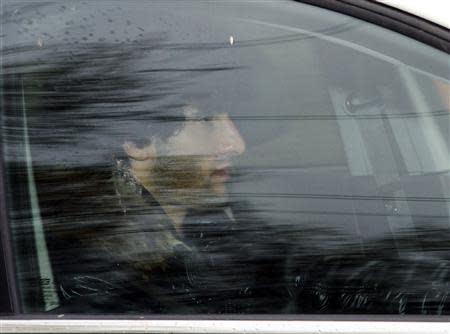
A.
pixel 223 167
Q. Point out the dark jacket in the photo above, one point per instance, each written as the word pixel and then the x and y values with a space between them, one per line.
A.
pixel 136 262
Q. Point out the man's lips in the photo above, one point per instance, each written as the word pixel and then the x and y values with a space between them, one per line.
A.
pixel 222 173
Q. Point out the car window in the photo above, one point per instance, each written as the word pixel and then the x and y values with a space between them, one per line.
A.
pixel 254 157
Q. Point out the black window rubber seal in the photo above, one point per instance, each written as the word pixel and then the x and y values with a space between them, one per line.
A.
pixel 390 18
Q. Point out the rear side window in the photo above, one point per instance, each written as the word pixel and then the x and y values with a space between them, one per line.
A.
pixel 227 158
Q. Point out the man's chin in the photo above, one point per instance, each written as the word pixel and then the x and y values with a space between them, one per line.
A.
pixel 214 196
pixel 219 189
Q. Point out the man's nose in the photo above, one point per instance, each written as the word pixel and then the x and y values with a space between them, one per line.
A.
pixel 231 141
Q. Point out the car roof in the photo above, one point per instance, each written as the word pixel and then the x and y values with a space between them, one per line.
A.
pixel 436 11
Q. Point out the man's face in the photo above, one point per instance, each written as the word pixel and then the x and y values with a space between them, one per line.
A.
pixel 193 165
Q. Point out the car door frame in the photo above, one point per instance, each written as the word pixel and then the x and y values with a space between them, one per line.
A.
pixel 12 321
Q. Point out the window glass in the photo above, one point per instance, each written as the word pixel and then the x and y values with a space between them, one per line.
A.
pixel 223 158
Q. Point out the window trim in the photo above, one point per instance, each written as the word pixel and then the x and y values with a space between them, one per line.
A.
pixel 220 326
pixel 390 18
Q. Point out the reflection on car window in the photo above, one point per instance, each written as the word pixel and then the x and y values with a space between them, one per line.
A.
pixel 245 158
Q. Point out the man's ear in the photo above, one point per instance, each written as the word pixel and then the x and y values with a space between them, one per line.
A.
pixel 139 154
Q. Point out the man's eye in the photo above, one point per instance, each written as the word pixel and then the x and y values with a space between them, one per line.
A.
pixel 205 119
pixel 208 119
